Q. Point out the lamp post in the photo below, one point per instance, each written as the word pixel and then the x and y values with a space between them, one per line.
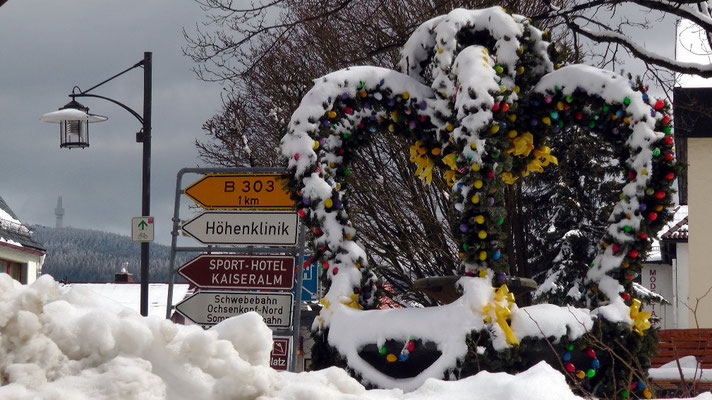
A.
pixel 74 118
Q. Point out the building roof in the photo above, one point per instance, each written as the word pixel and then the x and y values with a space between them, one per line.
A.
pixel 678 227
pixel 674 231
pixel 15 233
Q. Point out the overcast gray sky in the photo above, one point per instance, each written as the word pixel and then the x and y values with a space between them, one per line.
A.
pixel 49 46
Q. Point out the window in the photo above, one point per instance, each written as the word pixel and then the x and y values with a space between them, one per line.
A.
pixel 13 269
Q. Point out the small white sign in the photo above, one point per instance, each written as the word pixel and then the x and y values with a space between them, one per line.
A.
pixel 142 229
pixel 211 307
pixel 270 228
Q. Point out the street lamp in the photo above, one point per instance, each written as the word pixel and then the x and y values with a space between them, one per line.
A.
pixel 73 119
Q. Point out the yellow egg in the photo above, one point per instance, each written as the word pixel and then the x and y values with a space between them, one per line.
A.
pixel 405 95
pixel 482 234
pixel 332 114
pixel 316 144
pixel 435 151
pixel 328 203
pixel 478 184
pixel 483 255
pixel 480 219
pixel 475 167
pixel 391 358
pixel 475 199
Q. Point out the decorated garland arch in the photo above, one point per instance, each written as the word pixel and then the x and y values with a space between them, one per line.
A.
pixel 478 96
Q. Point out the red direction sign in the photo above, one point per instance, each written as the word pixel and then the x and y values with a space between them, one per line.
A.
pixel 222 271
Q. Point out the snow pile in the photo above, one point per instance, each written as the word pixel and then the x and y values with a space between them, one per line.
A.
pixel 689 367
pixel 69 343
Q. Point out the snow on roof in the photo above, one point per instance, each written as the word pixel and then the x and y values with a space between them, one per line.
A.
pixel 129 294
pixel 13 231
pixel 675 229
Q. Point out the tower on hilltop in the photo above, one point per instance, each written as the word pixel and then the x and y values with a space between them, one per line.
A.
pixel 59 213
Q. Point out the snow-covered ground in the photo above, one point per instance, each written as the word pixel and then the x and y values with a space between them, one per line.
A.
pixel 70 343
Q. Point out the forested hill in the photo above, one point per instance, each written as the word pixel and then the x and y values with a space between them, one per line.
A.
pixel 82 255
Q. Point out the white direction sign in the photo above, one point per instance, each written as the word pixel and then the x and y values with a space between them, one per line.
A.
pixel 271 228
pixel 142 229
pixel 211 307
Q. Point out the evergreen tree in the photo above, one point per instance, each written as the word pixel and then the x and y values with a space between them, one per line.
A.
pixel 567 210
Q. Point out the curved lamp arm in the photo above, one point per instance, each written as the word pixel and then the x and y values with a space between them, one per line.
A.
pixel 122 105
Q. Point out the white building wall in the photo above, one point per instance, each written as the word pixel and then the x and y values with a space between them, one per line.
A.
pixel 682 280
pixel 671 282
pixel 699 157
pixel 31 259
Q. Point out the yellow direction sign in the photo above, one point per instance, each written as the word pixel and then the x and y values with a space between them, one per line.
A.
pixel 241 191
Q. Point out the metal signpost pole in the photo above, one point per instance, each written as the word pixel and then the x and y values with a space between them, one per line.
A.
pixel 297 324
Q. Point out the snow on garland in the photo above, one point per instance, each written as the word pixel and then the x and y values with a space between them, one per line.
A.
pixel 478 96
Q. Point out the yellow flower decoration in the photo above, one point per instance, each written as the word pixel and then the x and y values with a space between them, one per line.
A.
pixel 508 178
pixel 501 312
pixel 353 303
pixel 544 154
pixel 534 166
pixel 418 155
pixel 449 160
pixel 640 319
pixel 449 177
pixel 522 145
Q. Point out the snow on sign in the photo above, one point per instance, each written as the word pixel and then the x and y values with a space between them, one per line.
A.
pixel 142 229
pixel 254 271
pixel 276 228
pixel 240 191
pixel 209 308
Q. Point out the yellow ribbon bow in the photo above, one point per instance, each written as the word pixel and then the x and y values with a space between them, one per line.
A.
pixel 353 303
pixel 501 311
pixel 640 318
